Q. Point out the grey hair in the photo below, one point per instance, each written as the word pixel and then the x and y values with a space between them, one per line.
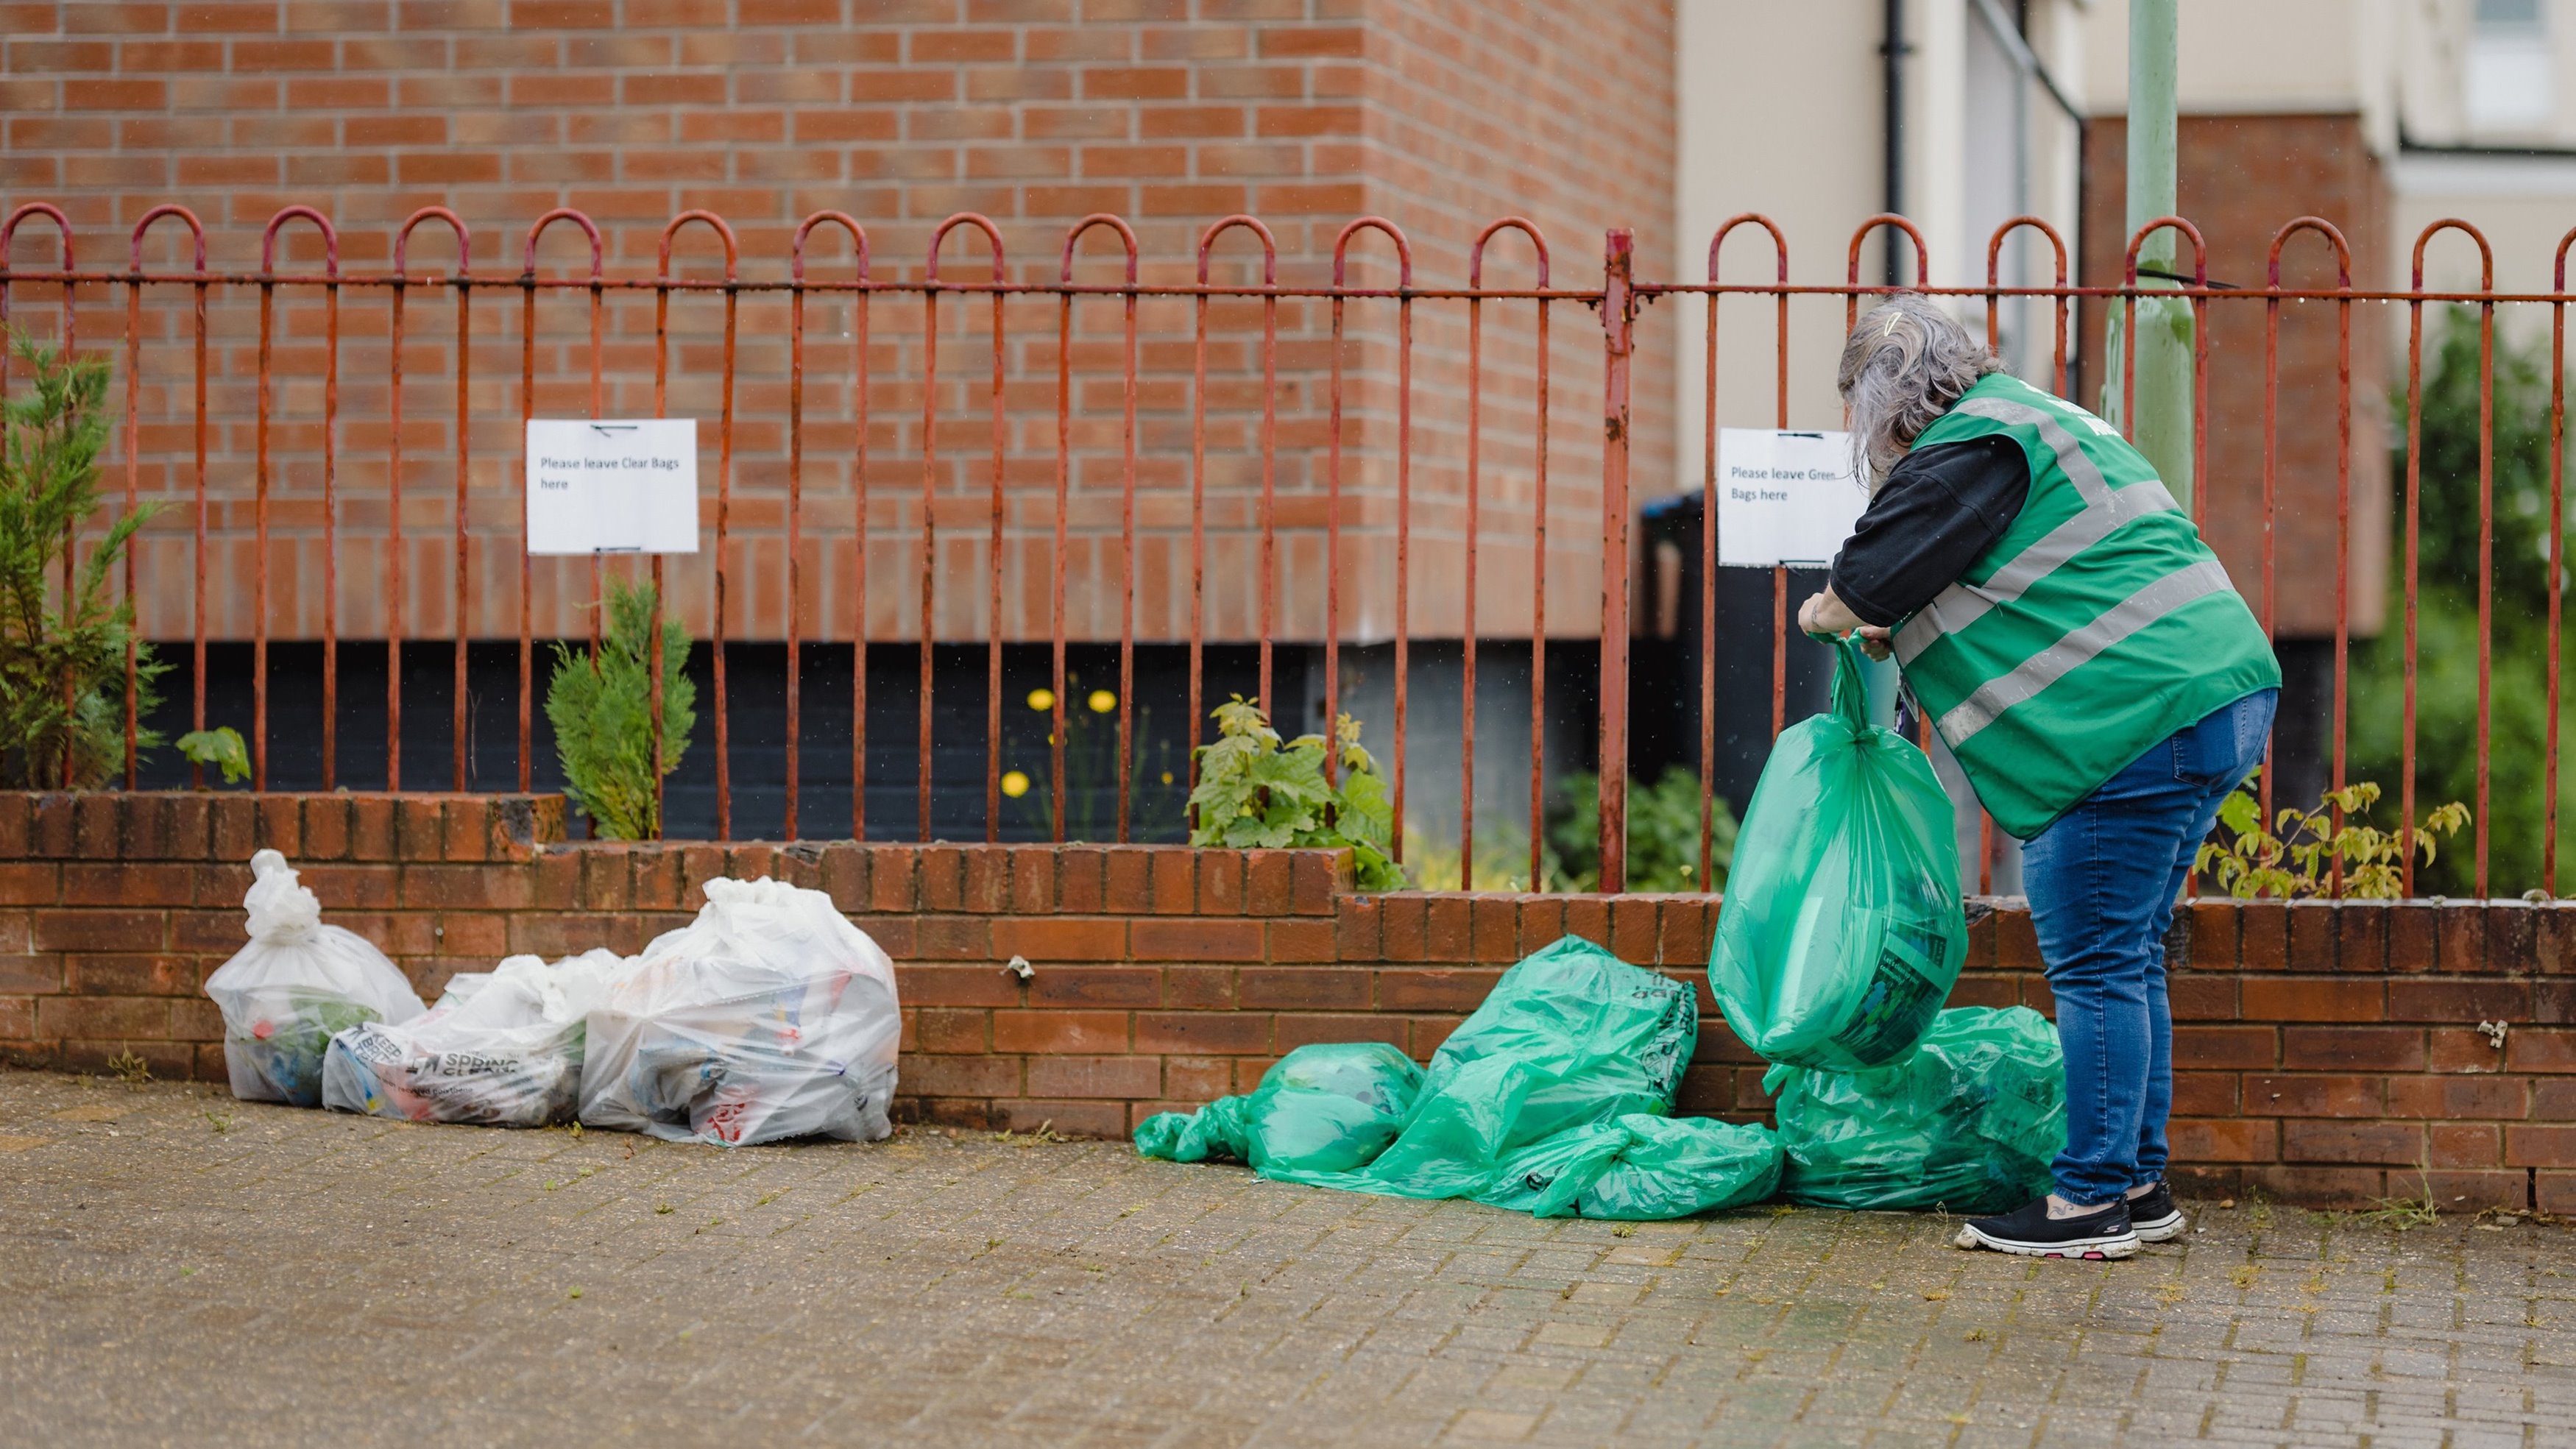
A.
pixel 1903 367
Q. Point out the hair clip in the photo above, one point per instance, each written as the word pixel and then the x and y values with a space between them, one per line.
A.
pixel 1887 329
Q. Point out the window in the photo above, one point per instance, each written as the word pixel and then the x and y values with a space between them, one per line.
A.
pixel 2508 84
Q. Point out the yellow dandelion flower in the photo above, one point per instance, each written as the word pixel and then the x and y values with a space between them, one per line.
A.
pixel 1015 784
pixel 1041 698
pixel 1102 701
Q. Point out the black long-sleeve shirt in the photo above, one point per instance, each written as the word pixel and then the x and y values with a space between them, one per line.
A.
pixel 1940 508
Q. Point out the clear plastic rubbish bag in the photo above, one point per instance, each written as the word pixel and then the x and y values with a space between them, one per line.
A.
pixel 502 1048
pixel 294 987
pixel 1841 932
pixel 1969 1122
pixel 1328 1107
pixel 768 1017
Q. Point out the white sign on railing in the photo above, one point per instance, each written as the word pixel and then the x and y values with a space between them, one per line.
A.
pixel 611 486
pixel 1784 497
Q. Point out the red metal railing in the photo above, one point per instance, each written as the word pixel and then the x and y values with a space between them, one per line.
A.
pixel 1147 374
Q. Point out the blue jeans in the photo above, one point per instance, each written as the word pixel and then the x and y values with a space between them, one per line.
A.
pixel 2102 881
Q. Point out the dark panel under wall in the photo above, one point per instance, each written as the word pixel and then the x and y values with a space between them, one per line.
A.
pixel 756 686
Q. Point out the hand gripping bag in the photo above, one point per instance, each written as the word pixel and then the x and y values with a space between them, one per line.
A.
pixel 1841 933
pixel 1325 1107
pixel 294 987
pixel 1969 1122
pixel 502 1048
pixel 768 1017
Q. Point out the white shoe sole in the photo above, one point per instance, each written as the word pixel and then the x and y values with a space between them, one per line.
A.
pixel 2091 1250
pixel 2163 1232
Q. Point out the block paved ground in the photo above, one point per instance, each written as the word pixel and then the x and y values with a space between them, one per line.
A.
pixel 179 1267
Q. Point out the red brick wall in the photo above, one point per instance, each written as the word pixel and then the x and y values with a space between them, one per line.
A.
pixel 1170 112
pixel 2327 1054
pixel 2241 178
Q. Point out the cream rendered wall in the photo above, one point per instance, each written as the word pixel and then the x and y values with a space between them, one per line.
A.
pixel 1780 111
pixel 2266 55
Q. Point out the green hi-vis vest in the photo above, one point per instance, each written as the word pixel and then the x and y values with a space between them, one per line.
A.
pixel 2096 626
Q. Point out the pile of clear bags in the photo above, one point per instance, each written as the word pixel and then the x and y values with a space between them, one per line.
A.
pixel 768 1017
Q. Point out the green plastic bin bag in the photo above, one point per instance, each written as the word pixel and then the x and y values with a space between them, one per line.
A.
pixel 1841 933
pixel 1968 1123
pixel 1570 1037
pixel 1640 1167
pixel 1329 1107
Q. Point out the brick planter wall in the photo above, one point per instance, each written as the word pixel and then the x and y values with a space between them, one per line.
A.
pixel 2326 1054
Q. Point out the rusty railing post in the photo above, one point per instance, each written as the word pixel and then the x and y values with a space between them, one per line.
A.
pixel 1618 318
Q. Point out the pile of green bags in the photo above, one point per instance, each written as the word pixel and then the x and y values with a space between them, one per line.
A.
pixel 1841 932
pixel 1555 1098
pixel 1967 1122
pixel 1840 936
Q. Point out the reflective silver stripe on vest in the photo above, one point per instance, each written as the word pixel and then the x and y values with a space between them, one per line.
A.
pixel 2195 581
pixel 1960 605
pixel 2079 468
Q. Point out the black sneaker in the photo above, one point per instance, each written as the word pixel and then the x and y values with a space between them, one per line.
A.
pixel 2153 1216
pixel 2101 1233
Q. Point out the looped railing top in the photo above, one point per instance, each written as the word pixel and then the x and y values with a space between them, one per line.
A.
pixel 1779 243
pixel 464 241
pixel 2486 254
pixel 1851 260
pixel 1994 285
pixel 330 240
pixel 723 231
pixel 1476 253
pixel 562 213
pixel 2323 228
pixel 62 228
pixel 1207 246
pixel 981 223
pixel 805 229
pixel 1995 247
pixel 1403 249
pixel 52 213
pixel 2199 249
pixel 196 231
pixel 1126 235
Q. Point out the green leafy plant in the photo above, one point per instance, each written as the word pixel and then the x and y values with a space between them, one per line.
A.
pixel 601 708
pixel 219 748
pixel 64 636
pixel 1663 835
pixel 2308 853
pixel 1255 792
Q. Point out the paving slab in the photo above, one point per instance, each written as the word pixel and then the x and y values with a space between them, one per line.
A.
pixel 183 1268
